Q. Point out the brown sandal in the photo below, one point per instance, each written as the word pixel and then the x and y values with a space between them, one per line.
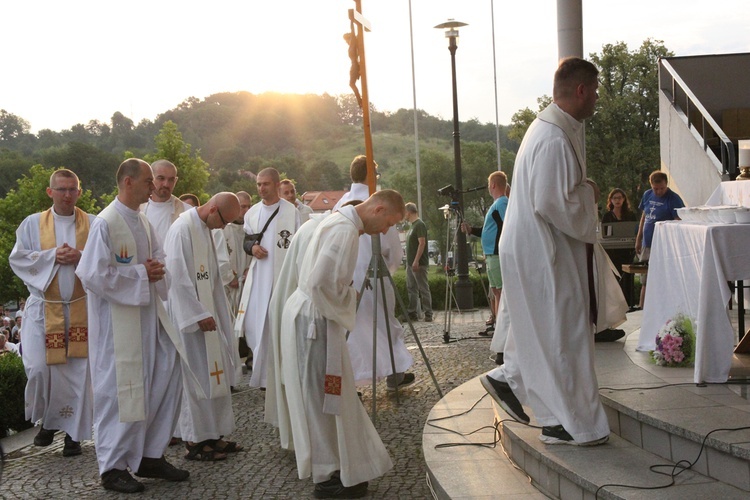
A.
pixel 229 446
pixel 203 451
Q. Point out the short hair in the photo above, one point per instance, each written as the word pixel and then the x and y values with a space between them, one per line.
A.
pixel 244 194
pixel 63 172
pixel 572 72
pixel 270 172
pixel 657 177
pixel 498 178
pixel 129 168
pixel 391 198
pixel 163 163
pixel 285 182
pixel 191 197
pixel 358 169
pixel 411 207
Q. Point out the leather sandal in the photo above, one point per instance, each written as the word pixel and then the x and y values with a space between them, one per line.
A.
pixel 203 452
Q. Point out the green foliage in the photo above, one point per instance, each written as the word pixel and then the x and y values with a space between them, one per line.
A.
pixel 191 169
pixel 622 139
pixel 95 168
pixel 521 120
pixel 12 386
pixel 29 197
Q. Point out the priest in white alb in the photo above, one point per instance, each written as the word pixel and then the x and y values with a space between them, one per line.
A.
pixel 199 310
pixel 133 346
pixel 285 392
pixel 334 439
pixel 546 257
pixel 271 223
pixel 55 326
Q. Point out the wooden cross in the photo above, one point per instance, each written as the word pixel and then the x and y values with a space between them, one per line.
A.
pixel 356 17
pixel 217 373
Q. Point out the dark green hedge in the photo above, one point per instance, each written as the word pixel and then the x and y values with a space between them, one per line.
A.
pixel 12 386
pixel 436 279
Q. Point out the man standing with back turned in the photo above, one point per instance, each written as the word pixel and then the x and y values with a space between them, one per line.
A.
pixel 546 256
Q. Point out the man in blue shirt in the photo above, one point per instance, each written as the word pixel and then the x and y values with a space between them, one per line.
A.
pixel 658 203
pixel 497 183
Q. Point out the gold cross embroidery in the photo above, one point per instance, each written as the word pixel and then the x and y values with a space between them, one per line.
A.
pixel 217 373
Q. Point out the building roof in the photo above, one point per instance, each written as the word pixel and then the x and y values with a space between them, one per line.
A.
pixel 320 201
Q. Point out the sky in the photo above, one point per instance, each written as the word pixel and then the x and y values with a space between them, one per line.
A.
pixel 70 62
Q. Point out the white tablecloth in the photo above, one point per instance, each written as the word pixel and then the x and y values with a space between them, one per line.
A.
pixel 731 193
pixel 689 268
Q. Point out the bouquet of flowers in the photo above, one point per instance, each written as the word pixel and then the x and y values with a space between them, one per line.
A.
pixel 675 343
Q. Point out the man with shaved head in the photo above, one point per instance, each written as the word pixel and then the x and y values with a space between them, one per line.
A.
pixel 162 207
pixel 198 308
pixel 334 439
pixel 132 344
pixel 270 225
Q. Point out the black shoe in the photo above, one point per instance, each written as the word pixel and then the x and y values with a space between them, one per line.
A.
pixel 609 335
pixel 558 435
pixel 44 437
pixel 334 489
pixel 499 359
pixel 159 468
pixel 488 332
pixel 408 380
pixel 122 481
pixel 503 395
pixel 71 448
pixel 428 319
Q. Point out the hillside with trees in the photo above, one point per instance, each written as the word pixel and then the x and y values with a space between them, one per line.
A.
pixel 217 143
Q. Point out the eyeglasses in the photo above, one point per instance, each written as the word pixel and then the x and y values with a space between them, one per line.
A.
pixel 66 190
pixel 218 210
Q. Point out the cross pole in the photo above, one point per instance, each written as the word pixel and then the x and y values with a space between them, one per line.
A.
pixel 356 17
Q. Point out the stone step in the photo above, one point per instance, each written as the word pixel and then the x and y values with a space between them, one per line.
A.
pixel 572 472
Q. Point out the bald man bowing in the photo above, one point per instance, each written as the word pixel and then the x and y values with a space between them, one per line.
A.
pixel 198 307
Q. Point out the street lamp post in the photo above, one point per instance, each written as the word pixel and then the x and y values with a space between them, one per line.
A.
pixel 463 287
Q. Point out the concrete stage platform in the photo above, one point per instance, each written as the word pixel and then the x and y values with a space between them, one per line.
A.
pixel 657 416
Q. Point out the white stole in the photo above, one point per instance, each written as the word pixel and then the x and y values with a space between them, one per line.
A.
pixel 204 289
pixel 126 323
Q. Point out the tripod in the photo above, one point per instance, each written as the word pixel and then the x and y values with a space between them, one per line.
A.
pixel 377 273
pixel 453 224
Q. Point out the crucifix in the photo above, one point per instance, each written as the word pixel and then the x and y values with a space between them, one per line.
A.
pixel 356 43
pixel 217 373
pixel 378 271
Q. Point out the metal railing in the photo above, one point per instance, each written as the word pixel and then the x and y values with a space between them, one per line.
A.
pixel 683 99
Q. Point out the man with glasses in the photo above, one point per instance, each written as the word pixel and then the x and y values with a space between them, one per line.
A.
pixel 199 310
pixel 55 343
pixel 270 226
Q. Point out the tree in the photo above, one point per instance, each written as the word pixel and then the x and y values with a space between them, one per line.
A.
pixel 29 197
pixel 191 169
pixel 622 139
pixel 12 126
pixel 521 120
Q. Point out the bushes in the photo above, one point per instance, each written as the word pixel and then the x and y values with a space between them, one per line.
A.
pixel 436 280
pixel 12 386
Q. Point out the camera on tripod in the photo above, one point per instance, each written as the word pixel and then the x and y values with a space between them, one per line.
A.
pixel 448 190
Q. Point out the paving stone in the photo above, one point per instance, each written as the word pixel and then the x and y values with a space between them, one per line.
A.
pixel 264 470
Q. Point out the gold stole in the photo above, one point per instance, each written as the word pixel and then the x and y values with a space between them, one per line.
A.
pixel 54 318
pixel 203 251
